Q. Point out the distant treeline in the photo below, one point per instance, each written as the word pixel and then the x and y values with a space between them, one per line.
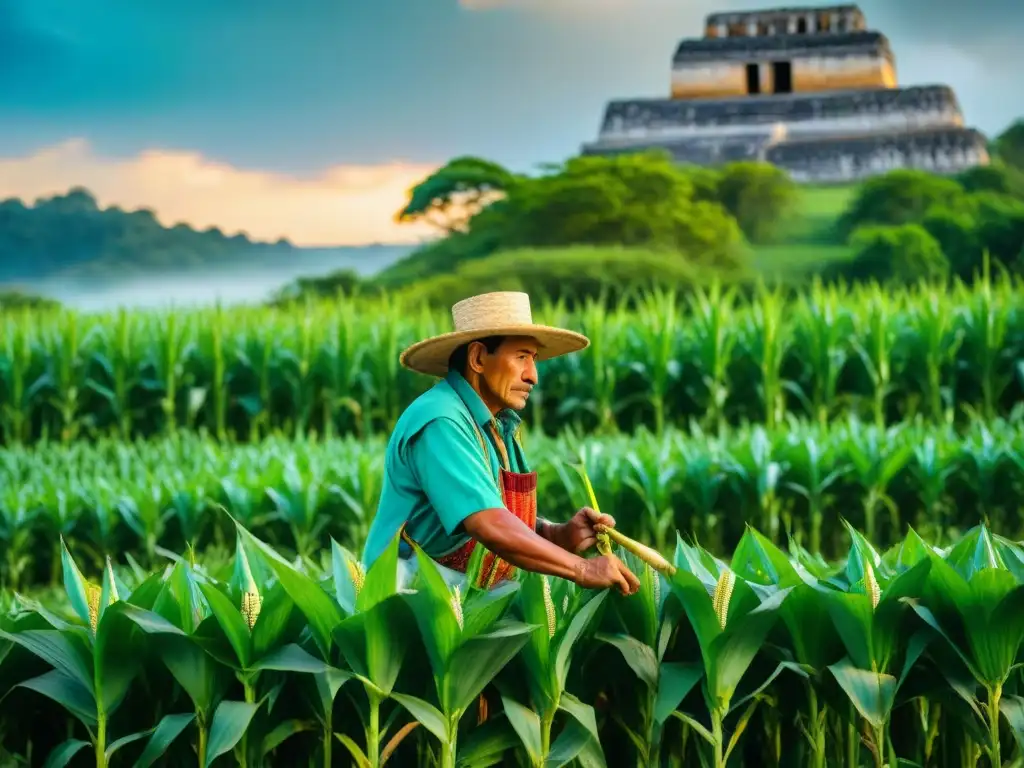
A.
pixel 70 234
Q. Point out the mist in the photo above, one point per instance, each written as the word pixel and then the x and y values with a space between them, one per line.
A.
pixel 235 285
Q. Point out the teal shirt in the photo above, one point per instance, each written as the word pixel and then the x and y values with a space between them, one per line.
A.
pixel 435 472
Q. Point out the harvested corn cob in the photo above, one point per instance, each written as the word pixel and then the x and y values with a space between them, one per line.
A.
pixel 645 553
pixel 606 535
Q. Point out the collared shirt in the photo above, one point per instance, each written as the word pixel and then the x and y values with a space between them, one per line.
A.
pixel 435 471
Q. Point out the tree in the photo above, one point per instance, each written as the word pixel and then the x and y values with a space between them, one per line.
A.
pixel 899 197
pixel 1009 145
pixel 630 200
pixel 956 233
pixel 987 178
pixel 759 195
pixel 451 196
pixel 1000 226
pixel 901 254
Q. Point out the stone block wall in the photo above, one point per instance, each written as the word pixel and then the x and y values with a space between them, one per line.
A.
pixel 943 150
pixel 718 68
pixel 845 113
pixel 786 21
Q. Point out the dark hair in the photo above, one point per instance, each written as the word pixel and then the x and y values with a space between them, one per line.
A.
pixel 459 358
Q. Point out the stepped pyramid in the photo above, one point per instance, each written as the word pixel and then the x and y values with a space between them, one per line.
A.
pixel 811 90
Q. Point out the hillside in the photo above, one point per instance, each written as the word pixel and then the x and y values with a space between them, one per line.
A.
pixel 69 249
pixel 70 239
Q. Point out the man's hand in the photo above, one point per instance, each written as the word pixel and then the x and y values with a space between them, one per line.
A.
pixel 579 534
pixel 606 571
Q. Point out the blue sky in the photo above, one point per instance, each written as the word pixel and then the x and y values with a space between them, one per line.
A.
pixel 294 95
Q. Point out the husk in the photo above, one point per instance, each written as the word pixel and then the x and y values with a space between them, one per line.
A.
pixel 645 553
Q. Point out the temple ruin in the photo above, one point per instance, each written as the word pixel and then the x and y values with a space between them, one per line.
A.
pixel 811 90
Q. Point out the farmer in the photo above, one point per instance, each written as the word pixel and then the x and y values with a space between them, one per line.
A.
pixel 455 473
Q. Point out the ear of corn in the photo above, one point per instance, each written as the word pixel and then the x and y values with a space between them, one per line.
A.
pixel 723 592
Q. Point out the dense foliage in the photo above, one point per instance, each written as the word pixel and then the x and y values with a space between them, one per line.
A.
pixel 766 659
pixel 697 216
pixel 714 355
pixel 906 225
pixel 149 498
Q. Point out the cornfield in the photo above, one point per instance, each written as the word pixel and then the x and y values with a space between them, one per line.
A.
pixel 151 498
pixel 711 356
pixel 774 658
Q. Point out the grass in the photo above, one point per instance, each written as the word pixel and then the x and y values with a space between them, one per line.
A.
pixel 807 241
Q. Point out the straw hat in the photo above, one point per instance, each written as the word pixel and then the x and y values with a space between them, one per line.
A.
pixel 504 313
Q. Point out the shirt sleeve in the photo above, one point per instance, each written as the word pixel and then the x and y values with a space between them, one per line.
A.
pixel 453 472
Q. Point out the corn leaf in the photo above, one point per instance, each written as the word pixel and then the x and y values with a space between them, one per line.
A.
pixel 526 724
pixel 230 722
pixel 64 753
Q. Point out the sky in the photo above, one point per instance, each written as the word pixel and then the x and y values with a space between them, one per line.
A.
pixel 310 119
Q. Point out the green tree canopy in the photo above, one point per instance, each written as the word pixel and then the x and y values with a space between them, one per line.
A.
pixel 899 197
pixel 898 254
pixel 456 192
pixel 760 197
pixel 1009 145
pixel 628 200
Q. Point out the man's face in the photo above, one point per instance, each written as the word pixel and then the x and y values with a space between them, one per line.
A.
pixel 509 373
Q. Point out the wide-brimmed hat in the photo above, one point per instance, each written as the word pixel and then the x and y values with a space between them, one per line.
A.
pixel 503 313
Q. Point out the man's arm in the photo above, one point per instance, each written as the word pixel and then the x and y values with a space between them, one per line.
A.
pixel 452 471
pixel 512 540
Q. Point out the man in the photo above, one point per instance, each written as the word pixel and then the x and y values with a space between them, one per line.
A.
pixel 455 474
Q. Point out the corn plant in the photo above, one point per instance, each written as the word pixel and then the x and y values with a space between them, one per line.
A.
pixel 767 658
pixel 707 356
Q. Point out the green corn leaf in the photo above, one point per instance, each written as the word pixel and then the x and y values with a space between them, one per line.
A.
pixel 360 758
pixel 477 661
pixel 381 581
pixel 873 694
pixel 67 691
pixel 734 649
pixel 74 583
pixel 63 651
pixel 577 626
pixel 639 656
pixel 526 724
pixel 322 613
pixel 487 745
pixel 64 752
pixel 425 713
pixel 278 620
pixel 229 618
pixel 568 745
pixel 675 681
pixel 580 712
pixel 166 731
pixel 344 586
pixel 281 732
pixel 124 741
pixel 230 722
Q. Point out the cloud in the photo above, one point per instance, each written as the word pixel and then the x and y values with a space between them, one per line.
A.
pixel 342 205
